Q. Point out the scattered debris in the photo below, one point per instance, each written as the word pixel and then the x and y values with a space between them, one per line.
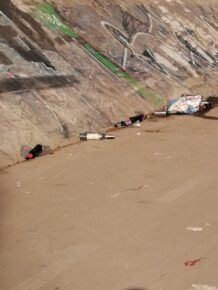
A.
pixel 18 183
pixel 139 187
pixel 130 121
pixel 39 150
pixel 186 104
pixel 115 195
pixel 152 131
pixel 137 124
pixel 138 134
pixel 192 262
pixel 95 136
pixel 194 229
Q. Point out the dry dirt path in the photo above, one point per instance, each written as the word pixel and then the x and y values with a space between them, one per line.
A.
pixel 113 215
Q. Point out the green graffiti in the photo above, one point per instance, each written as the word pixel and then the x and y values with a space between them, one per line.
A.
pixel 133 83
pixel 46 13
pixel 105 61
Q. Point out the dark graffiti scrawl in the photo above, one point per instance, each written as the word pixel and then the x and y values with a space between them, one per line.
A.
pixel 147 41
pixel 18 56
pixel 23 66
pixel 33 62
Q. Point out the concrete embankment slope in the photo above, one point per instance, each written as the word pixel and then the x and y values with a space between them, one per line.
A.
pixel 70 66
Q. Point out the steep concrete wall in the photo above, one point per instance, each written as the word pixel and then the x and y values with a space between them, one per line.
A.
pixel 70 66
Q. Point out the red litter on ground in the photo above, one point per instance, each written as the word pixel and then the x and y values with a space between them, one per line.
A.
pixel 192 262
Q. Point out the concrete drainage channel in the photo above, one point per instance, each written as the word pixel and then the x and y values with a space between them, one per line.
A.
pixel 50 94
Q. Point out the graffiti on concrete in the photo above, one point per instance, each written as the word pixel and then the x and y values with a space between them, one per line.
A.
pixel 23 66
pixel 25 60
pixel 4 59
pixel 19 57
pixel 47 14
pixel 152 45
pixel 147 41
pixel 5 71
pixel 36 83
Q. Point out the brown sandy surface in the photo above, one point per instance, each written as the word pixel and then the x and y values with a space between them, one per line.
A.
pixel 113 215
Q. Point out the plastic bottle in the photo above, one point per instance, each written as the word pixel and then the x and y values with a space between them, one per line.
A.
pixel 95 136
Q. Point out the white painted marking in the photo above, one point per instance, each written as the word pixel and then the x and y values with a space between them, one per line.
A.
pixel 115 195
pixel 125 54
pixel 187 10
pixel 202 287
pixel 186 187
pixel 181 190
pixel 18 183
pixel 194 229
pixel 151 23
pixel 163 9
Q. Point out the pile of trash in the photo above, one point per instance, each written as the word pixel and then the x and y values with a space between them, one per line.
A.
pixel 185 104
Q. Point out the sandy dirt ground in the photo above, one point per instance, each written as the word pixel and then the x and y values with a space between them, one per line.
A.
pixel 117 214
